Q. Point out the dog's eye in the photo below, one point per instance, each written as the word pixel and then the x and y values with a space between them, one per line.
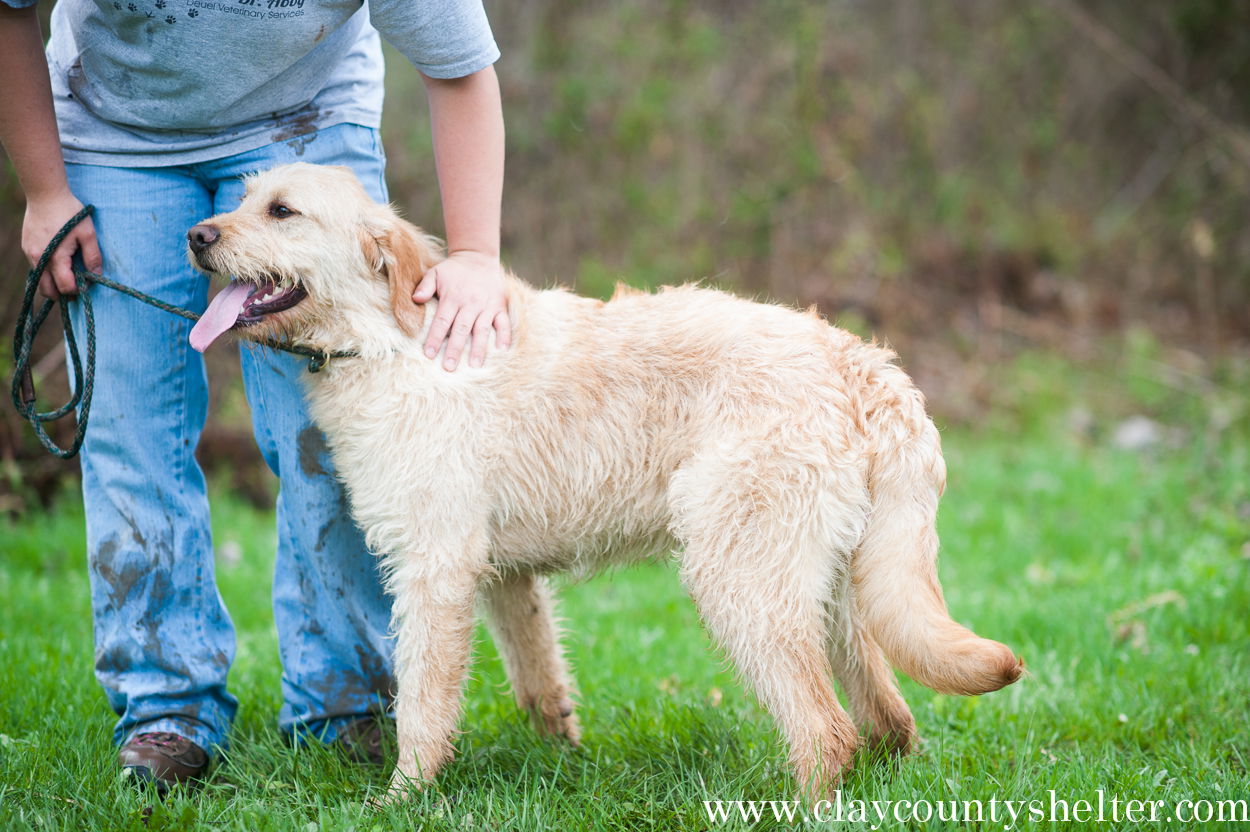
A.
pixel 280 211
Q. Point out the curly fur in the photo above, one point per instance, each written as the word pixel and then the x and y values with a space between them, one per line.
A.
pixel 790 465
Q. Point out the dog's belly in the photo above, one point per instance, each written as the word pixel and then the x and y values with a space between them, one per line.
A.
pixel 584 556
pixel 582 534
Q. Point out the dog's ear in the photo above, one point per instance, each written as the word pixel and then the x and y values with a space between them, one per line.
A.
pixel 403 254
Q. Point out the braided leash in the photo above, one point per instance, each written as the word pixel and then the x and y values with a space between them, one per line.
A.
pixel 83 379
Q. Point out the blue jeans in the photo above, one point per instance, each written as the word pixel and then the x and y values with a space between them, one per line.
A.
pixel 163 639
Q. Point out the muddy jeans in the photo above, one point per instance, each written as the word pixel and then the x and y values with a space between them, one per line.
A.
pixel 163 640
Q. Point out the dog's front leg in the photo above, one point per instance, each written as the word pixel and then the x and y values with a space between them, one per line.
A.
pixel 433 619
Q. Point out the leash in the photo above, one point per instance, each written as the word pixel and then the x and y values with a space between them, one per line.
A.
pixel 83 379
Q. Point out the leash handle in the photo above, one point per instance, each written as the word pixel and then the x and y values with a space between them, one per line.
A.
pixel 83 376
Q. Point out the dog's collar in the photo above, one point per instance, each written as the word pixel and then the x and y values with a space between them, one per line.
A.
pixel 317 359
pixel 317 363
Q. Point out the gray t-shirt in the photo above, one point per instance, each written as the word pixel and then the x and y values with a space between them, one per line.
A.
pixel 143 83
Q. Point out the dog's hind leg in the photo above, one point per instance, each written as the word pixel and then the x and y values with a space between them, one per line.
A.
pixel 775 638
pixel 520 613
pixel 875 701
pixel 763 533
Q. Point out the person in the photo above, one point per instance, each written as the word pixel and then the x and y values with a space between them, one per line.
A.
pixel 153 110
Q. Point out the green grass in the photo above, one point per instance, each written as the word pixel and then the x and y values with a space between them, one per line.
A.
pixel 1122 577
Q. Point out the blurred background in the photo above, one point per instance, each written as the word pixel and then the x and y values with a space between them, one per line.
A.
pixel 1024 199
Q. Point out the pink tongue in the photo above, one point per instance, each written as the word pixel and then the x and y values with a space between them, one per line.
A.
pixel 220 315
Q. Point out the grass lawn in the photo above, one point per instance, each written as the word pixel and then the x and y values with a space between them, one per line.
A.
pixel 1121 576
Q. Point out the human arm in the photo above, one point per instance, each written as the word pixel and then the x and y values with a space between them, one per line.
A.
pixel 29 134
pixel 466 119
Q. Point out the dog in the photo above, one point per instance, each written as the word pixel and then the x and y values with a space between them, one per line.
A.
pixel 790 465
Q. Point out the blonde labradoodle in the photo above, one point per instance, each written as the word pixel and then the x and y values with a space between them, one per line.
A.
pixel 790 464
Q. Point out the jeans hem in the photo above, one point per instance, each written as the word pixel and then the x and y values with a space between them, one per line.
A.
pixel 212 743
pixel 327 730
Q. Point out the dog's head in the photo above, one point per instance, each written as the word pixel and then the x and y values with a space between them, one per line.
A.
pixel 305 251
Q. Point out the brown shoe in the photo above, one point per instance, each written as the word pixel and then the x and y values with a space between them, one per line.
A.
pixel 163 758
pixel 368 739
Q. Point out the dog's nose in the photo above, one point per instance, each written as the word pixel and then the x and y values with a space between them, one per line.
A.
pixel 202 236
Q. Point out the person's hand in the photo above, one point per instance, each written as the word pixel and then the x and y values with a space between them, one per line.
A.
pixel 44 217
pixel 472 300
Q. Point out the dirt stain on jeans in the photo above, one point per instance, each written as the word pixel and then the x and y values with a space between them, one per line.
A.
pixel 323 535
pixel 138 536
pixel 159 599
pixel 111 661
pixel 311 444
pixel 120 582
pixel 374 673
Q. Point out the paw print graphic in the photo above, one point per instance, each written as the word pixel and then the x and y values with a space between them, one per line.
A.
pixel 132 7
pixel 171 19
pixel 117 5
pixel 193 13
pixel 160 4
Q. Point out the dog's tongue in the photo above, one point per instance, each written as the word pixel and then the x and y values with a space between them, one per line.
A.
pixel 220 315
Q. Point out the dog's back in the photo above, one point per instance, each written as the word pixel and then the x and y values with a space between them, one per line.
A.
pixel 602 404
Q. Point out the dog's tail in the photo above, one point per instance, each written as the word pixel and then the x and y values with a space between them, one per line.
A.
pixel 895 572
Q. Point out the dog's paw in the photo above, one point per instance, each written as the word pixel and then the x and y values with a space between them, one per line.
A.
pixel 554 715
pixel 891 743
pixel 401 788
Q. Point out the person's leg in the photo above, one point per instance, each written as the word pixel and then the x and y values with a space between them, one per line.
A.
pixel 164 641
pixel 331 612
